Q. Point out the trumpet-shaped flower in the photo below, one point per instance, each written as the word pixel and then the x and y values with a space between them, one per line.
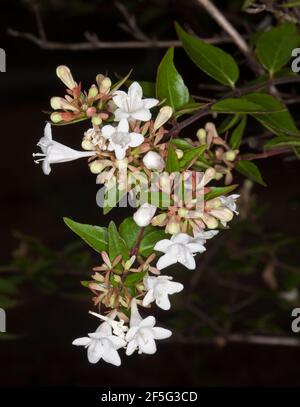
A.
pixel 54 152
pixel 120 139
pixel 102 344
pixel 131 106
pixel 180 248
pixel 143 333
pixel 144 214
pixel 230 202
pixel 158 290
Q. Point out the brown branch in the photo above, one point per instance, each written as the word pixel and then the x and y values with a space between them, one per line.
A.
pixel 240 338
pixel 266 154
pixel 94 43
pixel 135 248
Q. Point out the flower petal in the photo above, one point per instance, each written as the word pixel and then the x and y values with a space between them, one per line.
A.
pixel 196 247
pixel 95 351
pixel 161 333
pixel 150 102
pixel 165 261
pixel 82 341
pixel 135 91
pixel 147 346
pixel 119 98
pixel 136 139
pixel 120 114
pixel 163 245
pixel 131 347
pixel 48 131
pixel 174 287
pixel 117 342
pixel 147 322
pixel 111 356
pixel 163 302
pixel 107 131
pixel 148 298
pixel 123 126
pixel 181 238
pixel 188 261
pixel 141 114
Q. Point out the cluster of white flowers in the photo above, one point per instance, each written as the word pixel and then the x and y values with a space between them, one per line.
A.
pixel 110 336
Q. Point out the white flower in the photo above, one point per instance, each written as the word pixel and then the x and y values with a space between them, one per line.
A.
pixel 180 248
pixel 159 288
pixel 102 344
pixel 120 139
pixel 203 235
pixel 118 327
pixel 230 202
pixel 54 152
pixel 131 105
pixel 153 161
pixel 144 214
pixel 143 333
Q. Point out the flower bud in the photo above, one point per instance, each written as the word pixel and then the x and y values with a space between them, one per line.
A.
pixel 218 176
pixel 93 91
pixel 96 166
pixel 159 219
pixel 182 212
pixel 230 155
pixel 201 134
pixel 153 161
pixel 58 103
pixel 105 85
pixel 96 120
pixel 144 214
pixel 163 116
pixel 172 227
pixel 64 74
pixel 213 203
pixel 87 145
pixel 210 221
pixel 56 117
pixel 223 214
pixel 91 111
pixel 179 153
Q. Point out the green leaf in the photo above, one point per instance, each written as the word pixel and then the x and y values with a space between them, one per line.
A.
pixel 182 144
pixel 283 141
pixel 121 82
pixel 218 191
pixel 274 47
pixel 169 83
pixel 191 155
pixel 270 112
pixel 148 242
pixel 134 278
pixel 228 123
pixel 116 244
pixel 129 231
pixel 250 170
pixel 172 163
pixel 94 236
pixel 210 59
pixel 237 134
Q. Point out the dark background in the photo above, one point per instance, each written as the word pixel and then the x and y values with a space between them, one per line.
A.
pixel 35 204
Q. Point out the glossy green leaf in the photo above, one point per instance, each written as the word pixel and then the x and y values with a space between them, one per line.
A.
pixel 212 60
pixel 129 231
pixel 172 163
pixel 283 141
pixel 218 191
pixel 237 134
pixel 182 144
pixel 94 236
pixel 116 244
pixel 189 109
pixel 169 83
pixel 191 155
pixel 228 123
pixel 274 47
pixel 250 170
pixel 111 198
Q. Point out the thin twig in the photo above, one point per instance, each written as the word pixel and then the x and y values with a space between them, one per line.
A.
pixel 131 25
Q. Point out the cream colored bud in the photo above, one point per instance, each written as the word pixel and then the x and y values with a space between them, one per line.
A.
pixel 223 214
pixel 163 116
pixel 172 228
pixel 117 279
pixel 96 166
pixel 182 212
pixel 87 145
pixel 96 120
pixel 211 129
pixel 213 203
pixel 105 85
pixel 58 103
pixel 64 74
pixel 93 91
pixel 159 219
pixel 210 221
pixel 218 176
pixel 201 135
pixel 179 153
pixel 56 117
pixel 208 176
pixel 230 155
